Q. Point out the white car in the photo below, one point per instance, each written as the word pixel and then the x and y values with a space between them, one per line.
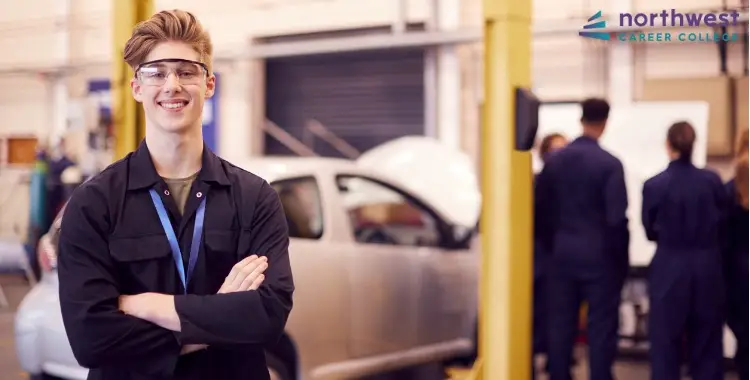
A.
pixel 384 256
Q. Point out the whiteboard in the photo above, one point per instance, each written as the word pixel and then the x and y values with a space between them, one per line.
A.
pixel 635 134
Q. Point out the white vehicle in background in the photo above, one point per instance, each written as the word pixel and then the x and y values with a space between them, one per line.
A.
pixel 383 251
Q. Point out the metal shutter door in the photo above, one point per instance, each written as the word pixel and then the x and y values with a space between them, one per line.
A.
pixel 365 98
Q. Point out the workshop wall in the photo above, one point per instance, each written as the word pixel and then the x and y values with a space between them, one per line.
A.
pixel 34 35
pixel 565 66
pixel 568 67
pixel 37 37
pixel 31 31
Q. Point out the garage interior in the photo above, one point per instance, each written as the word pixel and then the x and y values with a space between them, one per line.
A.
pixel 437 69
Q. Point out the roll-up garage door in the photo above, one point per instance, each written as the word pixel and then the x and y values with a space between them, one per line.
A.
pixel 364 98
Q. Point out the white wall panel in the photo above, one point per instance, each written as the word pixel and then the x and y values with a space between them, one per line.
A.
pixel 568 67
pixel 471 13
pixel 30 25
pixel 24 13
pixel 236 20
pixel 557 67
pixel 23 109
pixel 25 50
pixel 681 5
pixel 682 59
pixel 27 38
pixel 566 9
pixel 92 43
pixel 240 110
pixel 91 39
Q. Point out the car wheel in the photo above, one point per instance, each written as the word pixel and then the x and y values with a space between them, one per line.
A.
pixel 277 370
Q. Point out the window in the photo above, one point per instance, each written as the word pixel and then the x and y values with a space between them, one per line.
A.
pixel 300 198
pixel 380 214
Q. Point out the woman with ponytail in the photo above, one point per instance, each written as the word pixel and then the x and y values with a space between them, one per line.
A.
pixel 736 256
pixel 684 208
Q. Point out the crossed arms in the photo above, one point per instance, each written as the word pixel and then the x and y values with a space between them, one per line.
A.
pixel 160 309
pixel 252 305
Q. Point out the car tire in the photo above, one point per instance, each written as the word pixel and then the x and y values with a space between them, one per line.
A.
pixel 277 369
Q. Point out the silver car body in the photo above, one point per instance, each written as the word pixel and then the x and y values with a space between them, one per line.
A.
pixel 359 308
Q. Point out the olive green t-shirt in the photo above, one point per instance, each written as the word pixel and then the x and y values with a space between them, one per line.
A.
pixel 179 188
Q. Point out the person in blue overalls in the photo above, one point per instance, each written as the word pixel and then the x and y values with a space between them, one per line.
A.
pixel 683 211
pixel 549 145
pixel 581 202
pixel 736 258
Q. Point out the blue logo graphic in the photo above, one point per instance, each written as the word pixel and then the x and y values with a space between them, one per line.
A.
pixel 595 25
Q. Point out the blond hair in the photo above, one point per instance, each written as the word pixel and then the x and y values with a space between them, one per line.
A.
pixel 174 25
pixel 741 169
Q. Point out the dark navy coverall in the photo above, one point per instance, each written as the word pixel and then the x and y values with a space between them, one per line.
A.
pixel 737 279
pixel 112 243
pixel 581 203
pixel 683 212
pixel 540 299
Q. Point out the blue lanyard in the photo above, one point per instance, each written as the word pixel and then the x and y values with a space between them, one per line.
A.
pixel 194 247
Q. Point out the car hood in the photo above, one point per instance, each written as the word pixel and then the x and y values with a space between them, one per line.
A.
pixel 437 174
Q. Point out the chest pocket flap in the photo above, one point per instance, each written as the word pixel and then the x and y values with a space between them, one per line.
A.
pixel 222 242
pixel 139 248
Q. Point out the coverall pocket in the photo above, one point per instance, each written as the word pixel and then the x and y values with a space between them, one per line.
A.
pixel 142 263
pixel 221 248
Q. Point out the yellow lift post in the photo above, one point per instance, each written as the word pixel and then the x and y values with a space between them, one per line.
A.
pixel 506 278
pixel 128 118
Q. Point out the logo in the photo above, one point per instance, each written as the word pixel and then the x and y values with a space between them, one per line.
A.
pixel 596 25
pixel 647 27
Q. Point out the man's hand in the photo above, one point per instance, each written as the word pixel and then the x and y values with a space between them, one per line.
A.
pixel 245 275
pixel 153 307
pixel 137 305
pixel 190 348
pixel 159 308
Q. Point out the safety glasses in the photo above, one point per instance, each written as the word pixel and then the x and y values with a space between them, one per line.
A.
pixel 155 73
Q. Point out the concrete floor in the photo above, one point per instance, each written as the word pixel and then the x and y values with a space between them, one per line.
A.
pixel 15 288
pixel 624 370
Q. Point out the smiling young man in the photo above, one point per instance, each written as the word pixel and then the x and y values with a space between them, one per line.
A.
pixel 173 263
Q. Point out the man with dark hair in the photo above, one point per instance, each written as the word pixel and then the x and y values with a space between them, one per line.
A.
pixel 595 113
pixel 581 202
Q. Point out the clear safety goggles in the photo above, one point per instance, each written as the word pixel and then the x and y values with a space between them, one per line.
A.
pixel 155 73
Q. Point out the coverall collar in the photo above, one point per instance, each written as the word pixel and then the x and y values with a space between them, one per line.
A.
pixel 142 172
pixel 583 139
pixel 680 162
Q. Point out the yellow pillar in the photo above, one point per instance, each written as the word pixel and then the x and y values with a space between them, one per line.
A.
pixel 127 116
pixel 505 307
